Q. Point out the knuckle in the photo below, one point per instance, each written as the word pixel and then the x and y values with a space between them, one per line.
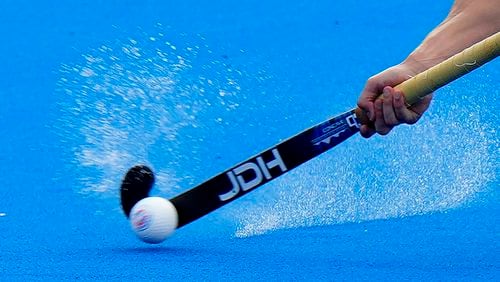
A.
pixel 383 129
pixel 371 81
pixel 383 132
pixel 367 131
pixel 366 134
pixel 413 120
pixel 392 122
pixel 362 103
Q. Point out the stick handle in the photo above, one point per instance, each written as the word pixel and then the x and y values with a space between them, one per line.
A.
pixel 445 72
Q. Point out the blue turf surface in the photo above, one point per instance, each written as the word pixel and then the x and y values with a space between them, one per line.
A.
pixel 89 89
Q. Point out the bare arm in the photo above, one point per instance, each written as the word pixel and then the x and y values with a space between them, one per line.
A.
pixel 468 22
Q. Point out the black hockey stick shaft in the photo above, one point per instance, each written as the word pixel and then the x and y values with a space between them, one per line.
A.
pixel 264 167
pixel 269 164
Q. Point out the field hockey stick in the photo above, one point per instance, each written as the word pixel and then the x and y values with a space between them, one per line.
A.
pixel 269 164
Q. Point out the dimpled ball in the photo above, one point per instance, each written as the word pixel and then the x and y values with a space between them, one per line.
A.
pixel 153 219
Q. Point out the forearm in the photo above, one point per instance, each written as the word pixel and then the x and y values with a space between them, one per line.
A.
pixel 468 22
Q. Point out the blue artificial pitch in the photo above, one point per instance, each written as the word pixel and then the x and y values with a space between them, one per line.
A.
pixel 190 89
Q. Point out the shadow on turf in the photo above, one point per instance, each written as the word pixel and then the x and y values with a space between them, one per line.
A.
pixel 155 249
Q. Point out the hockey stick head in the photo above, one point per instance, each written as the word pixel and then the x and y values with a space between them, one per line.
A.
pixel 135 186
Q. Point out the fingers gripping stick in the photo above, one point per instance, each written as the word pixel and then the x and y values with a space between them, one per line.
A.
pixel 269 164
pixel 445 72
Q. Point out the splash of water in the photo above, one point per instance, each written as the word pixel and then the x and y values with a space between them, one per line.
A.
pixel 138 101
pixel 151 101
pixel 439 164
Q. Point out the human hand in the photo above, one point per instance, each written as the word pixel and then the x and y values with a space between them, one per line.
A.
pixel 391 109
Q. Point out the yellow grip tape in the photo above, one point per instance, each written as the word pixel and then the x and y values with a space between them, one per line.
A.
pixel 454 67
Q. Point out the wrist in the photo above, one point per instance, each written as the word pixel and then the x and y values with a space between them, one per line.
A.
pixel 415 65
